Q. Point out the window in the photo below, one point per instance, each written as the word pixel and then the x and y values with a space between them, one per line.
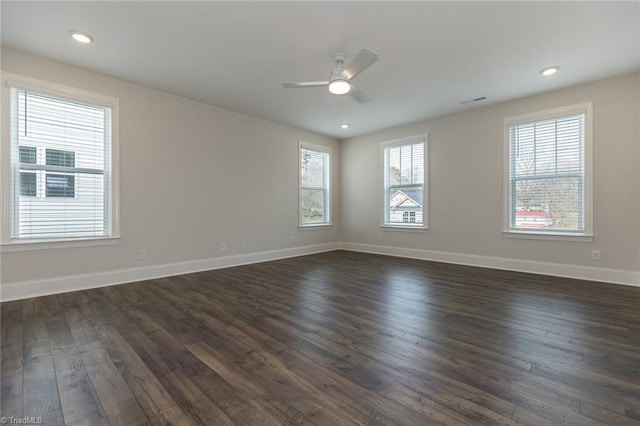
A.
pixel 404 183
pixel 314 185
pixel 548 172
pixel 62 182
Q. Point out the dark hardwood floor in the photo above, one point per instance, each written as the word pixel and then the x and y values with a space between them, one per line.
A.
pixel 334 338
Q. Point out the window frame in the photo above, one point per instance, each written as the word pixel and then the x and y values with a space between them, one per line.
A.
pixel 327 191
pixel 406 226
pixel 15 81
pixel 585 108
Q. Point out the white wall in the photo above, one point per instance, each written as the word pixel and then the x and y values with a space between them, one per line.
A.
pixel 191 177
pixel 465 182
pixel 194 176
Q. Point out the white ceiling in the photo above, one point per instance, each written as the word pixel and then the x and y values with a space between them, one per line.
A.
pixel 433 55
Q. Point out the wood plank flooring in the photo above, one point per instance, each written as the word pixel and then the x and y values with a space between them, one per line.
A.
pixel 337 338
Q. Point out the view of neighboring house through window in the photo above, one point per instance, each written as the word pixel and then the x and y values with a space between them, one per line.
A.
pixel 61 167
pixel 547 174
pixel 404 177
pixel 314 185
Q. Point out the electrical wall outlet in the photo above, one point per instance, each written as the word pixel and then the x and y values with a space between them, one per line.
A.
pixel 595 254
pixel 223 246
pixel 142 254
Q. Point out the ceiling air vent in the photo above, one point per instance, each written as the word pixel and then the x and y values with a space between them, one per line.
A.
pixel 482 98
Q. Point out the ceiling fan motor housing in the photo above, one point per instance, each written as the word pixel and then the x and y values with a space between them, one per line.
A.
pixel 338 59
pixel 338 84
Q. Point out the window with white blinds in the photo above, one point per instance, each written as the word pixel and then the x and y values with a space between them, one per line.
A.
pixel 404 183
pixel 61 167
pixel 548 177
pixel 314 185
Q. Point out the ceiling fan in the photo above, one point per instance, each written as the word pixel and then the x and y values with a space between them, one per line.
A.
pixel 341 76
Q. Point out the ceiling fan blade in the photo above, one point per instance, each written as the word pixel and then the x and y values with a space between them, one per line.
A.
pixel 360 96
pixel 363 59
pixel 305 84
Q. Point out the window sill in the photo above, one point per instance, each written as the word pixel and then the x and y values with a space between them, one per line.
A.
pixel 32 245
pixel 558 236
pixel 315 226
pixel 406 228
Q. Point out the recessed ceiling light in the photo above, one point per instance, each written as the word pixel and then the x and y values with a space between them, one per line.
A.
pixel 549 70
pixel 344 126
pixel 81 36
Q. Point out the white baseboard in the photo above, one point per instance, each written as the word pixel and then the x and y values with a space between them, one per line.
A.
pixel 43 287
pixel 615 276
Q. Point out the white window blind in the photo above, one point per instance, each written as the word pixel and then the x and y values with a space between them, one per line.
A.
pixel 547 175
pixel 314 185
pixel 404 181
pixel 61 167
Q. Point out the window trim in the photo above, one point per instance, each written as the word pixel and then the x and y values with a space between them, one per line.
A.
pixel 424 226
pixel 11 80
pixel 324 149
pixel 585 108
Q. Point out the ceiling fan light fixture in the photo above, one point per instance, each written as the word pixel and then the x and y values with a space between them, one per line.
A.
pixel 339 86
